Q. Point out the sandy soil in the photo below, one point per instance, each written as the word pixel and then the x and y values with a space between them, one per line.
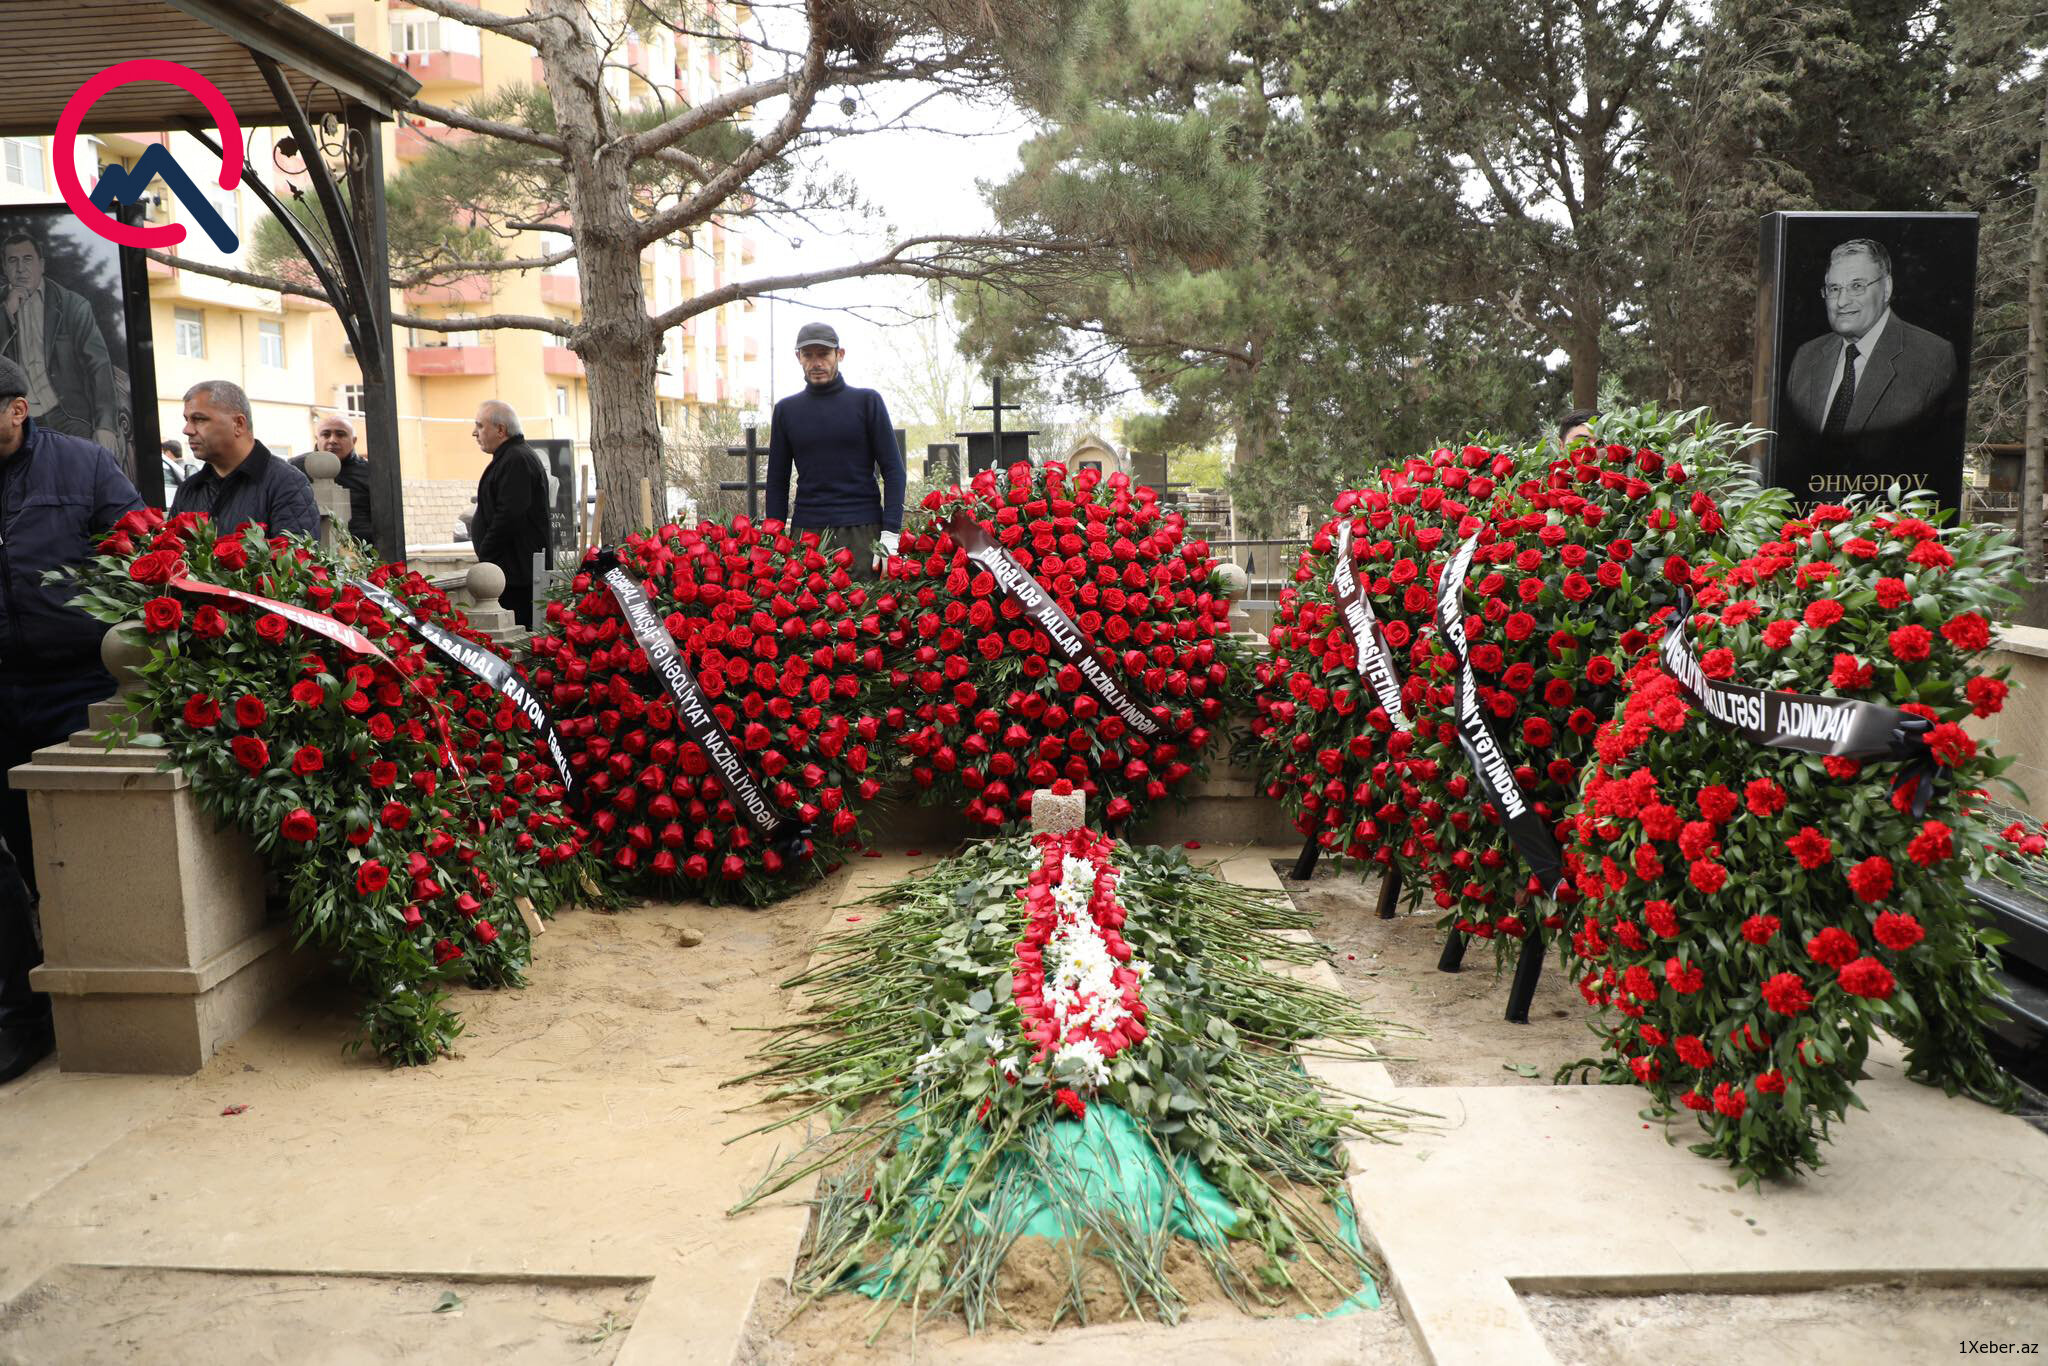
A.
pixel 1390 967
pixel 1865 1325
pixel 155 1316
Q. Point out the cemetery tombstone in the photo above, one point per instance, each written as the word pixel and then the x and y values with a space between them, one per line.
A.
pixel 1863 351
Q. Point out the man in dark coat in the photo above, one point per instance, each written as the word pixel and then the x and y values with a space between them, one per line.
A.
pixel 337 436
pixel 242 482
pixel 839 440
pixel 58 496
pixel 51 333
pixel 511 522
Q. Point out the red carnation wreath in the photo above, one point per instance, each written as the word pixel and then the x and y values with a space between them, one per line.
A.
pixel 789 649
pixel 992 711
pixel 1754 913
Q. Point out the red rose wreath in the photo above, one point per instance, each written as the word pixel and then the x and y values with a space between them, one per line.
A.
pixel 788 647
pixel 1348 770
pixel 993 712
pixel 379 782
pixel 1754 913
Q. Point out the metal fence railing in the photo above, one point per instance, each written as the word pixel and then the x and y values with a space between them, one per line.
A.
pixel 1269 563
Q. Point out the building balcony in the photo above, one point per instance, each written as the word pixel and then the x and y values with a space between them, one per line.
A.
pixel 415 140
pixel 560 360
pixel 427 361
pixel 470 289
pixel 566 290
pixel 442 70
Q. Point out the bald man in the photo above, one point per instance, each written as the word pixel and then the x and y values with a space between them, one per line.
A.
pixel 337 436
pixel 511 522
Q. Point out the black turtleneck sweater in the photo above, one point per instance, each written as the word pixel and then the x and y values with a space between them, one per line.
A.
pixel 837 437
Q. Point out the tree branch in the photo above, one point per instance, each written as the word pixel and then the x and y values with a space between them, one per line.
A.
pixel 511 132
pixel 238 277
pixel 479 322
pixel 459 269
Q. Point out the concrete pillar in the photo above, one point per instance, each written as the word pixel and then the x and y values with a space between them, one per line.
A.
pixel 1236 584
pixel 484 584
pixel 159 947
pixel 323 468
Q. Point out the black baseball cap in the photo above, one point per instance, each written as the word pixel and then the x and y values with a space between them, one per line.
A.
pixel 13 380
pixel 816 334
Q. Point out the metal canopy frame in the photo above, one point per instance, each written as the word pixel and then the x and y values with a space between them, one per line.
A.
pixel 253 51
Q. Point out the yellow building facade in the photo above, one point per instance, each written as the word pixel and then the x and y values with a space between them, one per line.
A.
pixel 291 354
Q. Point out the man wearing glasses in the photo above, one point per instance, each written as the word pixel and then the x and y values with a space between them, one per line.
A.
pixel 1868 389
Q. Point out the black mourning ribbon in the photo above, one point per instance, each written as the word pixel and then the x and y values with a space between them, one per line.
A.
pixel 479 663
pixel 779 830
pixel 1840 727
pixel 1044 613
pixel 1375 657
pixel 1531 835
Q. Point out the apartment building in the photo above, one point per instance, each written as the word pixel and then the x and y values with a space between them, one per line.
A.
pixel 292 355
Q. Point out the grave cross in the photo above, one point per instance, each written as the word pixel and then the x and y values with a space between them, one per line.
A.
pixel 986 449
pixel 752 452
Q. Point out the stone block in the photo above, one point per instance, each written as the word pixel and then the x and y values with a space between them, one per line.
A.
pixel 158 943
pixel 1054 813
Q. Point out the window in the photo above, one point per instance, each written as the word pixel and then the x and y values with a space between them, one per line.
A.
pixel 561 400
pixel 352 399
pixel 24 163
pixel 422 33
pixel 343 24
pixel 191 333
pixel 270 344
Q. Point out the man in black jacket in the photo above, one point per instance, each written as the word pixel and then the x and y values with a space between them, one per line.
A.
pixel 52 334
pixel 242 482
pixel 58 495
pixel 837 439
pixel 511 522
pixel 337 436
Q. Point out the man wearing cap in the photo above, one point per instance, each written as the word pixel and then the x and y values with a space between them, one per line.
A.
pixel 837 437
pixel 58 495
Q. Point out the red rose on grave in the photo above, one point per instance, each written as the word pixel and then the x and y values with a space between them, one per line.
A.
pixel 251 753
pixel 1833 947
pixel 1911 643
pixel 485 931
pixel 445 952
pixel 1896 931
pixel 371 878
pixel 1951 744
pixel 1871 879
pixel 395 816
pixel 1866 977
pixel 272 628
pixel 1787 995
pixel 201 711
pixel 383 773
pixel 209 624
pixel 1934 844
pixel 1823 613
pixel 162 614
pixel 308 759
pixel 307 693
pixel 158 566
pixel 230 553
pixel 1968 631
pixel 299 825
pixel 250 712
pixel 1759 929
pixel 1986 696
pixel 1810 847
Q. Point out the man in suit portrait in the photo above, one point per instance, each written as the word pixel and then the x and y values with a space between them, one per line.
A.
pixel 51 332
pixel 1875 387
